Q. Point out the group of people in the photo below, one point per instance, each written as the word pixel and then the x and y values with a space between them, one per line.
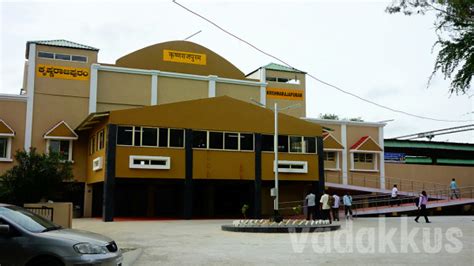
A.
pixel 328 206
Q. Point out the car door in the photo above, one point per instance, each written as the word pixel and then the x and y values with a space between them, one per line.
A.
pixel 11 251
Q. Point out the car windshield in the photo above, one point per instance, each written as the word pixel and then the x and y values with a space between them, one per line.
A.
pixel 27 220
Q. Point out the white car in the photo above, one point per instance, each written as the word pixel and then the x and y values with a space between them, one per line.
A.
pixel 29 239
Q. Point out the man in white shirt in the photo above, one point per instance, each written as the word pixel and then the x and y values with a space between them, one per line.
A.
pixel 335 207
pixel 325 207
pixel 311 203
pixel 394 196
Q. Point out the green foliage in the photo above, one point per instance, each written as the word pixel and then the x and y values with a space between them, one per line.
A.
pixel 298 210
pixel 455 28
pixel 35 177
pixel 329 116
pixel 244 210
pixel 356 119
pixel 336 117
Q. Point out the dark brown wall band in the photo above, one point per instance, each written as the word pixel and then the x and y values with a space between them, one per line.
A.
pixel 109 180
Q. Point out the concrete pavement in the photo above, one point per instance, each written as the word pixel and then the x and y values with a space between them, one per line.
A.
pixel 366 241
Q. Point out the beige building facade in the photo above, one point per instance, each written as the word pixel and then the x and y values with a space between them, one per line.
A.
pixel 119 123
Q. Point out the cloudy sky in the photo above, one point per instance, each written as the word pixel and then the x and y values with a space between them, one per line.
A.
pixel 352 44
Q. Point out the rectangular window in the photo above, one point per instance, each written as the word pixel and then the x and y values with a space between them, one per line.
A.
pixel 329 156
pixel 78 58
pixel 125 135
pixel 310 144
pixel 100 140
pixel 3 147
pixel 149 162
pixel 61 147
pixel 149 136
pixel 163 137
pixel 216 140
pixel 231 141
pixel 177 138
pixel 363 157
pixel 246 142
pixel 200 139
pixel 91 145
pixel 300 167
pixel 97 164
pixel 62 57
pixel 46 55
pixel 267 142
pixel 282 143
pixel 296 144
pixel 137 136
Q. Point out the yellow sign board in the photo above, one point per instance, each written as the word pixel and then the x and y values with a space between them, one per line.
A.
pixel 184 57
pixel 62 72
pixel 287 94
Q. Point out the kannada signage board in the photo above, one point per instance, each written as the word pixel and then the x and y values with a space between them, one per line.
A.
pixel 287 94
pixel 62 72
pixel 394 157
pixel 184 57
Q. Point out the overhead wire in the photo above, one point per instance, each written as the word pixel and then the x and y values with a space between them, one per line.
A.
pixel 314 77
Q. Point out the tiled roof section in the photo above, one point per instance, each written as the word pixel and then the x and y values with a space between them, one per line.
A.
pixel 359 142
pixel 61 43
pixel 65 43
pixel 391 143
pixel 277 67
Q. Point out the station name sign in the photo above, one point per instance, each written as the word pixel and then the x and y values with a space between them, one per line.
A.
pixel 184 57
pixel 62 72
pixel 287 94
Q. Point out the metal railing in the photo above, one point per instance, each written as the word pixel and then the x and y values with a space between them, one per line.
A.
pixel 403 184
pixel 384 201
pixel 45 212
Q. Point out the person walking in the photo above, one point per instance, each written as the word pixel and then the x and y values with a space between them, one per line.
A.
pixel 311 206
pixel 347 201
pixel 325 207
pixel 394 198
pixel 422 201
pixel 454 189
pixel 335 207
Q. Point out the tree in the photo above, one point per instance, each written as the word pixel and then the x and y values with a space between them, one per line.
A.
pixel 35 177
pixel 329 116
pixel 336 117
pixel 455 29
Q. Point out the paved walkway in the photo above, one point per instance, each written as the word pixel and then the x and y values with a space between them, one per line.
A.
pixel 407 207
pixel 366 241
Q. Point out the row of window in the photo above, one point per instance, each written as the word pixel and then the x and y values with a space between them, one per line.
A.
pixel 170 137
pixel 150 137
pixel 97 142
pixel 64 57
pixel 292 144
pixel 358 157
pixel 283 80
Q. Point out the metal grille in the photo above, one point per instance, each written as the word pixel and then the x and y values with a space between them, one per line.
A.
pixel 45 212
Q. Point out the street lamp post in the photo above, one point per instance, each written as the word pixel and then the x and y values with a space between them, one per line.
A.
pixel 275 164
pixel 275 150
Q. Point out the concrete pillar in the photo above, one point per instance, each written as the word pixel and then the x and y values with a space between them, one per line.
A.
pixel 109 180
pixel 88 193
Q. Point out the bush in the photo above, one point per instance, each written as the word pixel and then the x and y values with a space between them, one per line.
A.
pixel 35 177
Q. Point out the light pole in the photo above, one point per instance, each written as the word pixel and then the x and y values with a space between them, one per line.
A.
pixel 275 150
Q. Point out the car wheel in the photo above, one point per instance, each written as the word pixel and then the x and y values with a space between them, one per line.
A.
pixel 45 261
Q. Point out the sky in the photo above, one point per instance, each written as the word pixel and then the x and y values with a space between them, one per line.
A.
pixel 354 45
